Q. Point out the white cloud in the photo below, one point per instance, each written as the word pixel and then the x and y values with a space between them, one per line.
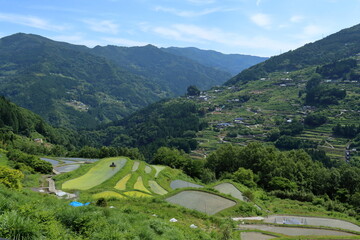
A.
pixel 313 30
pixel 196 34
pixel 124 42
pixel 77 38
pixel 311 33
pixel 296 19
pixel 182 13
pixel 103 26
pixel 30 21
pixel 262 20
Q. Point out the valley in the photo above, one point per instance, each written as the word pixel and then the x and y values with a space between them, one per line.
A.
pixel 168 143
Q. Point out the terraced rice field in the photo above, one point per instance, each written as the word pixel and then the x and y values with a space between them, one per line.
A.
pixel 183 184
pixel 136 194
pixel 135 166
pixel 158 169
pixel 201 201
pixel 148 169
pixel 52 161
pixel 67 168
pixel 107 195
pixel 294 231
pixel 228 188
pixel 121 185
pixel 313 221
pixel 156 188
pixel 96 175
pixel 79 159
pixel 139 185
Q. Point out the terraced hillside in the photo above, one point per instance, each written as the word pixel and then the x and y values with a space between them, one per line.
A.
pixel 121 178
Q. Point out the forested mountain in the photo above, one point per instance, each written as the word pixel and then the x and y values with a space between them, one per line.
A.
pixel 172 72
pixel 27 131
pixel 340 45
pixel 232 63
pixel 68 86
pixel 171 123
pixel 75 86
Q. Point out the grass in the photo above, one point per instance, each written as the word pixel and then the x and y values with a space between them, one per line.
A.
pixel 96 175
pixel 29 215
pixel 3 159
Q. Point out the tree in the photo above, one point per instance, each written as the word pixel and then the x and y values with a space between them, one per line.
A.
pixel 284 184
pixel 224 159
pixel 11 178
pixel 245 176
pixel 193 91
pixel 177 159
pixel 315 120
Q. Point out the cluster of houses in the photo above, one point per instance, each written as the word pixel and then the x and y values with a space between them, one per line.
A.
pixel 238 120
pixel 78 105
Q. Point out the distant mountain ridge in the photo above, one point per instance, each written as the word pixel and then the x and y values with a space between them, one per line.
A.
pixel 174 73
pixel 68 86
pixel 76 86
pixel 340 45
pixel 232 63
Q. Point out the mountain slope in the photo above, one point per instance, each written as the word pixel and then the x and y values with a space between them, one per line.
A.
pixel 232 63
pixel 174 73
pixel 68 86
pixel 24 130
pixel 342 44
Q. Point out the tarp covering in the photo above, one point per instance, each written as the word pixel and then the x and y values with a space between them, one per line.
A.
pixel 78 204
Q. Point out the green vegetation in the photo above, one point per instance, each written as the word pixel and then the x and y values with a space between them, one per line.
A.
pixel 170 123
pixel 284 139
pixel 173 73
pixel 67 85
pixel 96 175
pixel 11 178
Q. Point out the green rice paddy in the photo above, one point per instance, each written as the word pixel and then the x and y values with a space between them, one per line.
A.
pixel 108 194
pixel 96 175
pixel 121 185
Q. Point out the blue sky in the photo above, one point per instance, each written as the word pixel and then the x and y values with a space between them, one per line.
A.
pixel 255 27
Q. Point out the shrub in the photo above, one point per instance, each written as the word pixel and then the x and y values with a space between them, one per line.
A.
pixel 14 226
pixel 10 178
pixel 101 202
pixel 249 195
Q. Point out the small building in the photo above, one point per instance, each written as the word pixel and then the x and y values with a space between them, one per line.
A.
pixel 38 140
pixel 223 125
